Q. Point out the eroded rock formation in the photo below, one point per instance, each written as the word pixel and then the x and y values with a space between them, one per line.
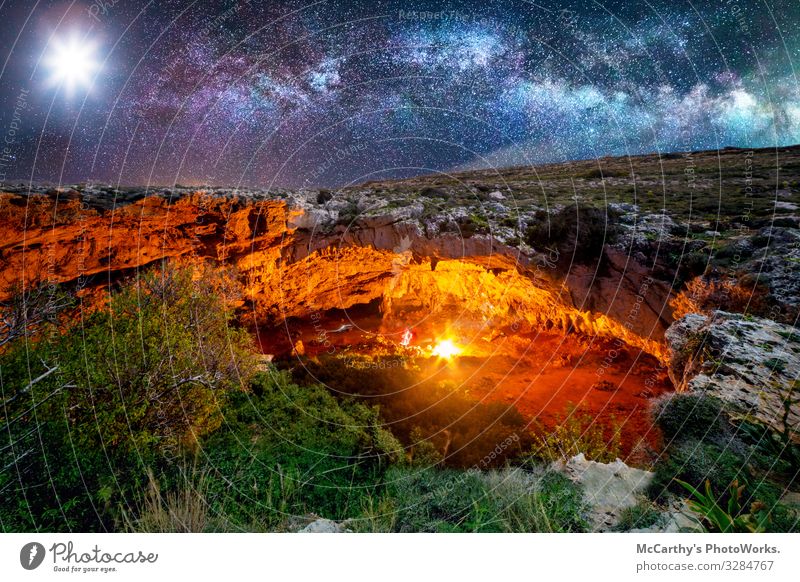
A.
pixel 292 263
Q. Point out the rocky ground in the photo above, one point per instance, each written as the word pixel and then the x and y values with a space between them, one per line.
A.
pixel 611 488
pixel 683 233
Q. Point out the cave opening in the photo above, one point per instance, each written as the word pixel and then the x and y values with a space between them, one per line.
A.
pixel 465 357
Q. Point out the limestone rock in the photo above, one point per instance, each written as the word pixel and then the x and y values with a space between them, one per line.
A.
pixel 777 266
pixel 294 256
pixel 608 487
pixel 677 518
pixel 746 362
pixel 322 525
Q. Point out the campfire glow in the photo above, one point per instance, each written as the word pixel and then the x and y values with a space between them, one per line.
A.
pixel 446 349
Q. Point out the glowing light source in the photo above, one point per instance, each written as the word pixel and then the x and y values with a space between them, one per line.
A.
pixel 446 349
pixel 72 63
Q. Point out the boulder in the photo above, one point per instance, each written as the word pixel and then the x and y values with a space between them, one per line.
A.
pixel 608 488
pixel 677 518
pixel 748 363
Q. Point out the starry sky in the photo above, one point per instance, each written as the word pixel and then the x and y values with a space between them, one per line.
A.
pixel 324 93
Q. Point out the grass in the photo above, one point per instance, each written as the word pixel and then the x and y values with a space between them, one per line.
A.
pixel 183 509
pixel 435 500
pixel 643 515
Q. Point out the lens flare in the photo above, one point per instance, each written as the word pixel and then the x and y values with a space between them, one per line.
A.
pixel 446 349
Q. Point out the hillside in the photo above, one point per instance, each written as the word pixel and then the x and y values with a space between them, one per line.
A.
pixel 400 332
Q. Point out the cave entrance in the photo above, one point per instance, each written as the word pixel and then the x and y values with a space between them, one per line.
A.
pixel 363 352
pixel 431 342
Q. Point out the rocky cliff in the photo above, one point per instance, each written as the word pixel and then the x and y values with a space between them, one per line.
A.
pixel 299 253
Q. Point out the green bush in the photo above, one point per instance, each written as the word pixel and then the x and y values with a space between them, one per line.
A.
pixel 771 451
pixel 431 500
pixel 642 515
pixel 90 408
pixel 694 462
pixel 577 432
pixel 691 416
pixel 694 263
pixel 577 232
pixel 288 450
pixel 784 518
pixel 563 503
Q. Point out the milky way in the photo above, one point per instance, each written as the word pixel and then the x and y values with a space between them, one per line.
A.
pixel 329 93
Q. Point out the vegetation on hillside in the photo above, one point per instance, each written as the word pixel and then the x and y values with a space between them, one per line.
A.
pixel 154 413
pixel 728 470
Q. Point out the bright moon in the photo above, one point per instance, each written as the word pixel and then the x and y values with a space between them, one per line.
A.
pixel 72 63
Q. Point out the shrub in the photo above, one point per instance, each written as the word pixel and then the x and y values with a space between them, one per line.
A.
pixel 578 232
pixel 28 311
pixel 784 518
pixel 695 462
pixel 640 516
pixel 128 388
pixel 691 416
pixel 324 196
pixel 423 452
pixel 431 192
pixel 286 450
pixel 774 451
pixel 433 500
pixel 577 432
pixel 693 263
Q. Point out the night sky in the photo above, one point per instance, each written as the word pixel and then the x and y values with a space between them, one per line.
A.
pixel 304 93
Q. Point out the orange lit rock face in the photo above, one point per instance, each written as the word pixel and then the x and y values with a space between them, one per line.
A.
pixel 60 242
pixel 473 285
